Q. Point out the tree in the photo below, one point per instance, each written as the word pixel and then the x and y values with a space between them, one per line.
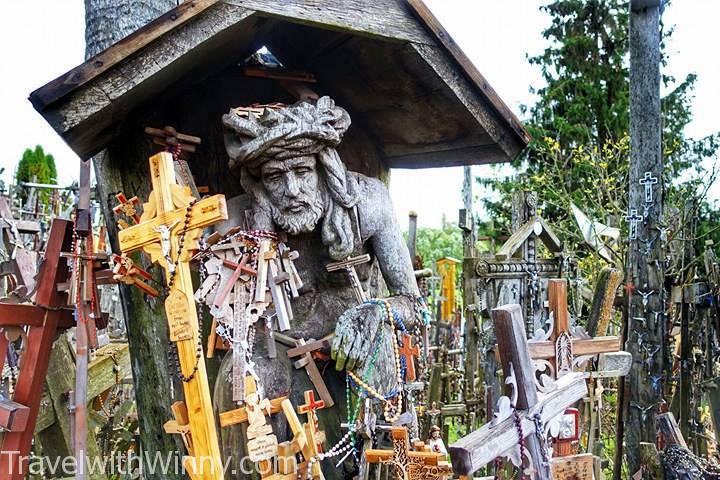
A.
pixel 580 123
pixel 38 166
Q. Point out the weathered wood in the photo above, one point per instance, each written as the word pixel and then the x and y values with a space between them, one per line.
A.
pixel 603 301
pixel 573 467
pixel 646 274
pixel 670 430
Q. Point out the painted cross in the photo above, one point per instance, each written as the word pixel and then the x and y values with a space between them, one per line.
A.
pixel 648 181
pixel 633 220
pixel 42 319
pixel 500 437
pixel 562 348
pixel 409 352
pixel 314 436
pixel 168 204
pixel 125 271
pixel 127 207
pixel 310 403
pixel 419 464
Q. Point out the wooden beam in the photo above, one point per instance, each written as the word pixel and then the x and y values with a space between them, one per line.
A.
pixel 108 58
pixel 450 157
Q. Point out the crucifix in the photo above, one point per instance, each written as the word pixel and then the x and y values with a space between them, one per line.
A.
pixel 648 181
pixel 633 220
pixel 562 348
pixel 170 204
pixel 42 318
pixel 418 464
pixel 522 415
pixel 127 207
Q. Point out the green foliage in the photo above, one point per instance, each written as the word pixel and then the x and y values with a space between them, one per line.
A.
pixel 436 243
pixel 580 125
pixel 39 165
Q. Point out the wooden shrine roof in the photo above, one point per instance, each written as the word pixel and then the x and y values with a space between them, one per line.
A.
pixel 388 62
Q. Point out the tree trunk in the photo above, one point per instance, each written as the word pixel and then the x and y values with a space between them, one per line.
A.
pixel 106 22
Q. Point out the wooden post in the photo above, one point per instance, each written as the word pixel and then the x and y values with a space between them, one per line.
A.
pixel 169 220
pixel 412 236
pixel 481 446
pixel 644 266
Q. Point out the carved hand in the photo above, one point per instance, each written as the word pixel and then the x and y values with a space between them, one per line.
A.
pixel 355 335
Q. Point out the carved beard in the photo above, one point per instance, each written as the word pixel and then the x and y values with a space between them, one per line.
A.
pixel 303 222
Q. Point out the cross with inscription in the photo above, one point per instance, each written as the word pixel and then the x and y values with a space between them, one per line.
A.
pixel 172 204
pixel 648 181
pixel 527 410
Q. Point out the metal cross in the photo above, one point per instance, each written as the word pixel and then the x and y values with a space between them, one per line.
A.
pixel 633 219
pixel 648 181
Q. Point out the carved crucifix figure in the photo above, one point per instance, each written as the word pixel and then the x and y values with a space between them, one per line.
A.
pixel 168 205
pixel 289 164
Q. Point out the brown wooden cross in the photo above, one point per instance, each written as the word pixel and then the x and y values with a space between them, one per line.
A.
pixel 42 319
pixel 179 145
pixel 499 437
pixel 562 348
pixel 409 352
pixel 410 464
pixel 125 271
pixel 172 218
pixel 315 437
pixel 304 351
pixel 127 207
pixel 238 269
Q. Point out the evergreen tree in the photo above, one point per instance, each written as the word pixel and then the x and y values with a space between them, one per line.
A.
pixel 36 165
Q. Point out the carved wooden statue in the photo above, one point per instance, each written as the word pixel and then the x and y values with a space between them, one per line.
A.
pixel 298 184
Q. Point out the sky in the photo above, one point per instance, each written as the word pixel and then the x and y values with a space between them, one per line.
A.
pixel 41 39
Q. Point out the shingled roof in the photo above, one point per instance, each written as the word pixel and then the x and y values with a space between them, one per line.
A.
pixel 389 62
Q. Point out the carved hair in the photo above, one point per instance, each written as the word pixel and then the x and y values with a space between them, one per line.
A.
pixel 299 130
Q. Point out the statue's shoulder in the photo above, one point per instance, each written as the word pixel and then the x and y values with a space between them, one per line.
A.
pixel 374 207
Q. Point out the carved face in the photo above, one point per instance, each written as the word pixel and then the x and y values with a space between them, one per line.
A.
pixel 295 192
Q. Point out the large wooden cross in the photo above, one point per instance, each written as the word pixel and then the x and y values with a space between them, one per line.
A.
pixel 168 222
pixel 42 319
pixel 417 464
pixel 501 436
pixel 561 349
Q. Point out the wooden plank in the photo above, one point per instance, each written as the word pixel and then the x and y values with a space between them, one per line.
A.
pixel 110 57
pixel 387 19
pixel 546 349
pixel 30 315
pixel 572 467
pixel 449 157
pixel 101 371
pixel 478 448
pixel 603 301
pixel 516 240
pixel 423 13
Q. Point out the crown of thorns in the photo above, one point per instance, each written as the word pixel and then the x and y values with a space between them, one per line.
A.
pixel 254 136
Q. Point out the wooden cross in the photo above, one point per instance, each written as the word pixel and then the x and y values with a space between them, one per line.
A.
pixel 563 348
pixel 125 271
pixel 315 437
pixel 302 350
pixel 178 144
pixel 170 204
pixel 310 403
pixel 348 265
pixel 42 320
pixel 409 464
pixel 127 208
pixel 409 352
pixel 499 437
pixel 238 269
pixel 285 449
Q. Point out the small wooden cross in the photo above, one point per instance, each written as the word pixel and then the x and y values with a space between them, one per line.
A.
pixel 180 425
pixel 409 464
pixel 308 362
pixel 480 447
pixel 310 403
pixel 127 208
pixel 348 265
pixel 409 352
pixel 238 269
pixel 125 271
pixel 178 144
pixel 562 348
pixel 170 204
pixel 315 437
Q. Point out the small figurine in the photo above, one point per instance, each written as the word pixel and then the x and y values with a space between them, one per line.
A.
pixel 435 441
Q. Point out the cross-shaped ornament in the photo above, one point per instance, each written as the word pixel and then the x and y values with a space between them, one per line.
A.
pixel 315 437
pixel 648 181
pixel 410 464
pixel 563 348
pixel 171 204
pixel 527 409
pixel 179 145
pixel 633 220
pixel 125 271
pixel 127 207
pixel 409 352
